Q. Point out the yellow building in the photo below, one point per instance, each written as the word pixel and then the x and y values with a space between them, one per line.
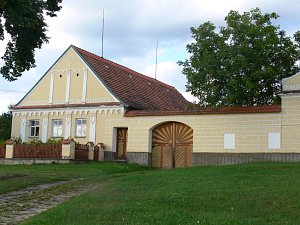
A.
pixel 89 98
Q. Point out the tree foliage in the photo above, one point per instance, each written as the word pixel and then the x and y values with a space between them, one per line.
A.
pixel 242 63
pixel 24 21
pixel 5 126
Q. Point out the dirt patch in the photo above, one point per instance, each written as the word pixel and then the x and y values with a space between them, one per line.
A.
pixel 10 176
pixel 17 206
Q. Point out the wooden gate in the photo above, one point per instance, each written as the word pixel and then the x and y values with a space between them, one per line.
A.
pixel 172 145
pixel 122 143
pixel 2 151
pixel 81 152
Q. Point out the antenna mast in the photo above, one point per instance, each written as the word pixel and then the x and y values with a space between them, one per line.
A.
pixel 156 58
pixel 102 32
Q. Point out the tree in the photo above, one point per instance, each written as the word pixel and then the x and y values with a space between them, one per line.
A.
pixel 241 64
pixel 24 21
pixel 5 126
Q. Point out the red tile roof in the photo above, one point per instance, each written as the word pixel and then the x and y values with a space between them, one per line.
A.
pixel 133 89
pixel 210 110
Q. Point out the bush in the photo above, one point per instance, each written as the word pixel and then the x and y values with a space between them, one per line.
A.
pixel 54 141
pixel 35 142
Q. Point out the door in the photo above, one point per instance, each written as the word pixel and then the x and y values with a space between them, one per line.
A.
pixel 172 145
pixel 122 143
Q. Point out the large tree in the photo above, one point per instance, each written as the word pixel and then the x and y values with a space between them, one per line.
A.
pixel 24 22
pixel 241 63
pixel 5 126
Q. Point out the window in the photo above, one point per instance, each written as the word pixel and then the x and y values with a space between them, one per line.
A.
pixel 274 140
pixel 56 128
pixel 229 141
pixel 80 127
pixel 34 128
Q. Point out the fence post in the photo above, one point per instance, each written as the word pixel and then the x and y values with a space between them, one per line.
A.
pixel 68 149
pixel 101 152
pixel 91 150
pixel 10 145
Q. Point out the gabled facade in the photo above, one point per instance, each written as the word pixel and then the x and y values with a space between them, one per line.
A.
pixel 89 98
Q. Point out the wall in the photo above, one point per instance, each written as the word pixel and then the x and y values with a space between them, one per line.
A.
pixel 66 82
pixel 97 115
pixel 251 131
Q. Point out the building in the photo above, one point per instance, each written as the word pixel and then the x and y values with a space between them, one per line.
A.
pixel 140 119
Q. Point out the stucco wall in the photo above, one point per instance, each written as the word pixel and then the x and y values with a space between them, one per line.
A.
pixel 251 131
pixel 68 64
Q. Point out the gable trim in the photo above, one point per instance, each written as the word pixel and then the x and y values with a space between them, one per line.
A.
pixel 43 75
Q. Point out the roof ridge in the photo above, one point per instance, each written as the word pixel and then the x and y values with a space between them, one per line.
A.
pixel 127 69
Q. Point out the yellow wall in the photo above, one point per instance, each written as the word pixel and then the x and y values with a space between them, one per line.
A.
pixel 251 130
pixel 71 63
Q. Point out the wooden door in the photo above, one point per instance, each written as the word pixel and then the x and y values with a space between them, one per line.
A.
pixel 172 145
pixel 122 143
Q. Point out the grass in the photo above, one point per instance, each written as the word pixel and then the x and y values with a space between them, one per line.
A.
pixel 261 193
pixel 16 177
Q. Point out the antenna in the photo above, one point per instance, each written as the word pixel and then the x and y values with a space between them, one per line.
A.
pixel 102 32
pixel 156 58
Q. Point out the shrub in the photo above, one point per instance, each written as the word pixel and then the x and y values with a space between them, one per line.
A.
pixel 54 140
pixel 35 142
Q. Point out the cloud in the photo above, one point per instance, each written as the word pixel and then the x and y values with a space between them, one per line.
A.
pixel 8 99
pixel 131 29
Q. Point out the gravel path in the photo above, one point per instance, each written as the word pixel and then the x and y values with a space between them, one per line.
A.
pixel 17 206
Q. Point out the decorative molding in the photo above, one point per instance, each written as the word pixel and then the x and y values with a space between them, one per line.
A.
pixel 68 122
pixel 95 100
pixel 67 98
pixel 51 88
pixel 230 130
pixel 23 129
pixel 290 87
pixel 92 134
pixel 75 101
pixel 71 101
pixel 84 85
pixel 272 129
pixel 101 110
pixel 30 103
pixel 45 130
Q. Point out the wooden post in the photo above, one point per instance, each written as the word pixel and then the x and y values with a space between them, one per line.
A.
pixel 91 150
pixel 10 145
pixel 68 149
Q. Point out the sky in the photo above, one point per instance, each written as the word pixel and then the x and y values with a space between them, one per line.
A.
pixel 131 30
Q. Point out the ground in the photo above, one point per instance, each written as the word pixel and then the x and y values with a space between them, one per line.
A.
pixel 261 193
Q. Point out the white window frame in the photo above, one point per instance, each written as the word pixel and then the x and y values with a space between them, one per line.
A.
pixel 274 141
pixel 229 141
pixel 57 126
pixel 80 123
pixel 35 125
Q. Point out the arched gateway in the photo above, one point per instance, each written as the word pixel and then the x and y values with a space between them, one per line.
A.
pixel 172 145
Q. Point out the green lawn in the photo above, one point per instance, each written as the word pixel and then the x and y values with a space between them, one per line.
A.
pixel 16 177
pixel 240 194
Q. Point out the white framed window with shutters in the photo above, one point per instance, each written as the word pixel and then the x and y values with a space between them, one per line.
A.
pixel 80 128
pixel 57 128
pixel 34 128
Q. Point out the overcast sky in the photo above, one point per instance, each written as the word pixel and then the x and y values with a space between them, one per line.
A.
pixel 131 30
